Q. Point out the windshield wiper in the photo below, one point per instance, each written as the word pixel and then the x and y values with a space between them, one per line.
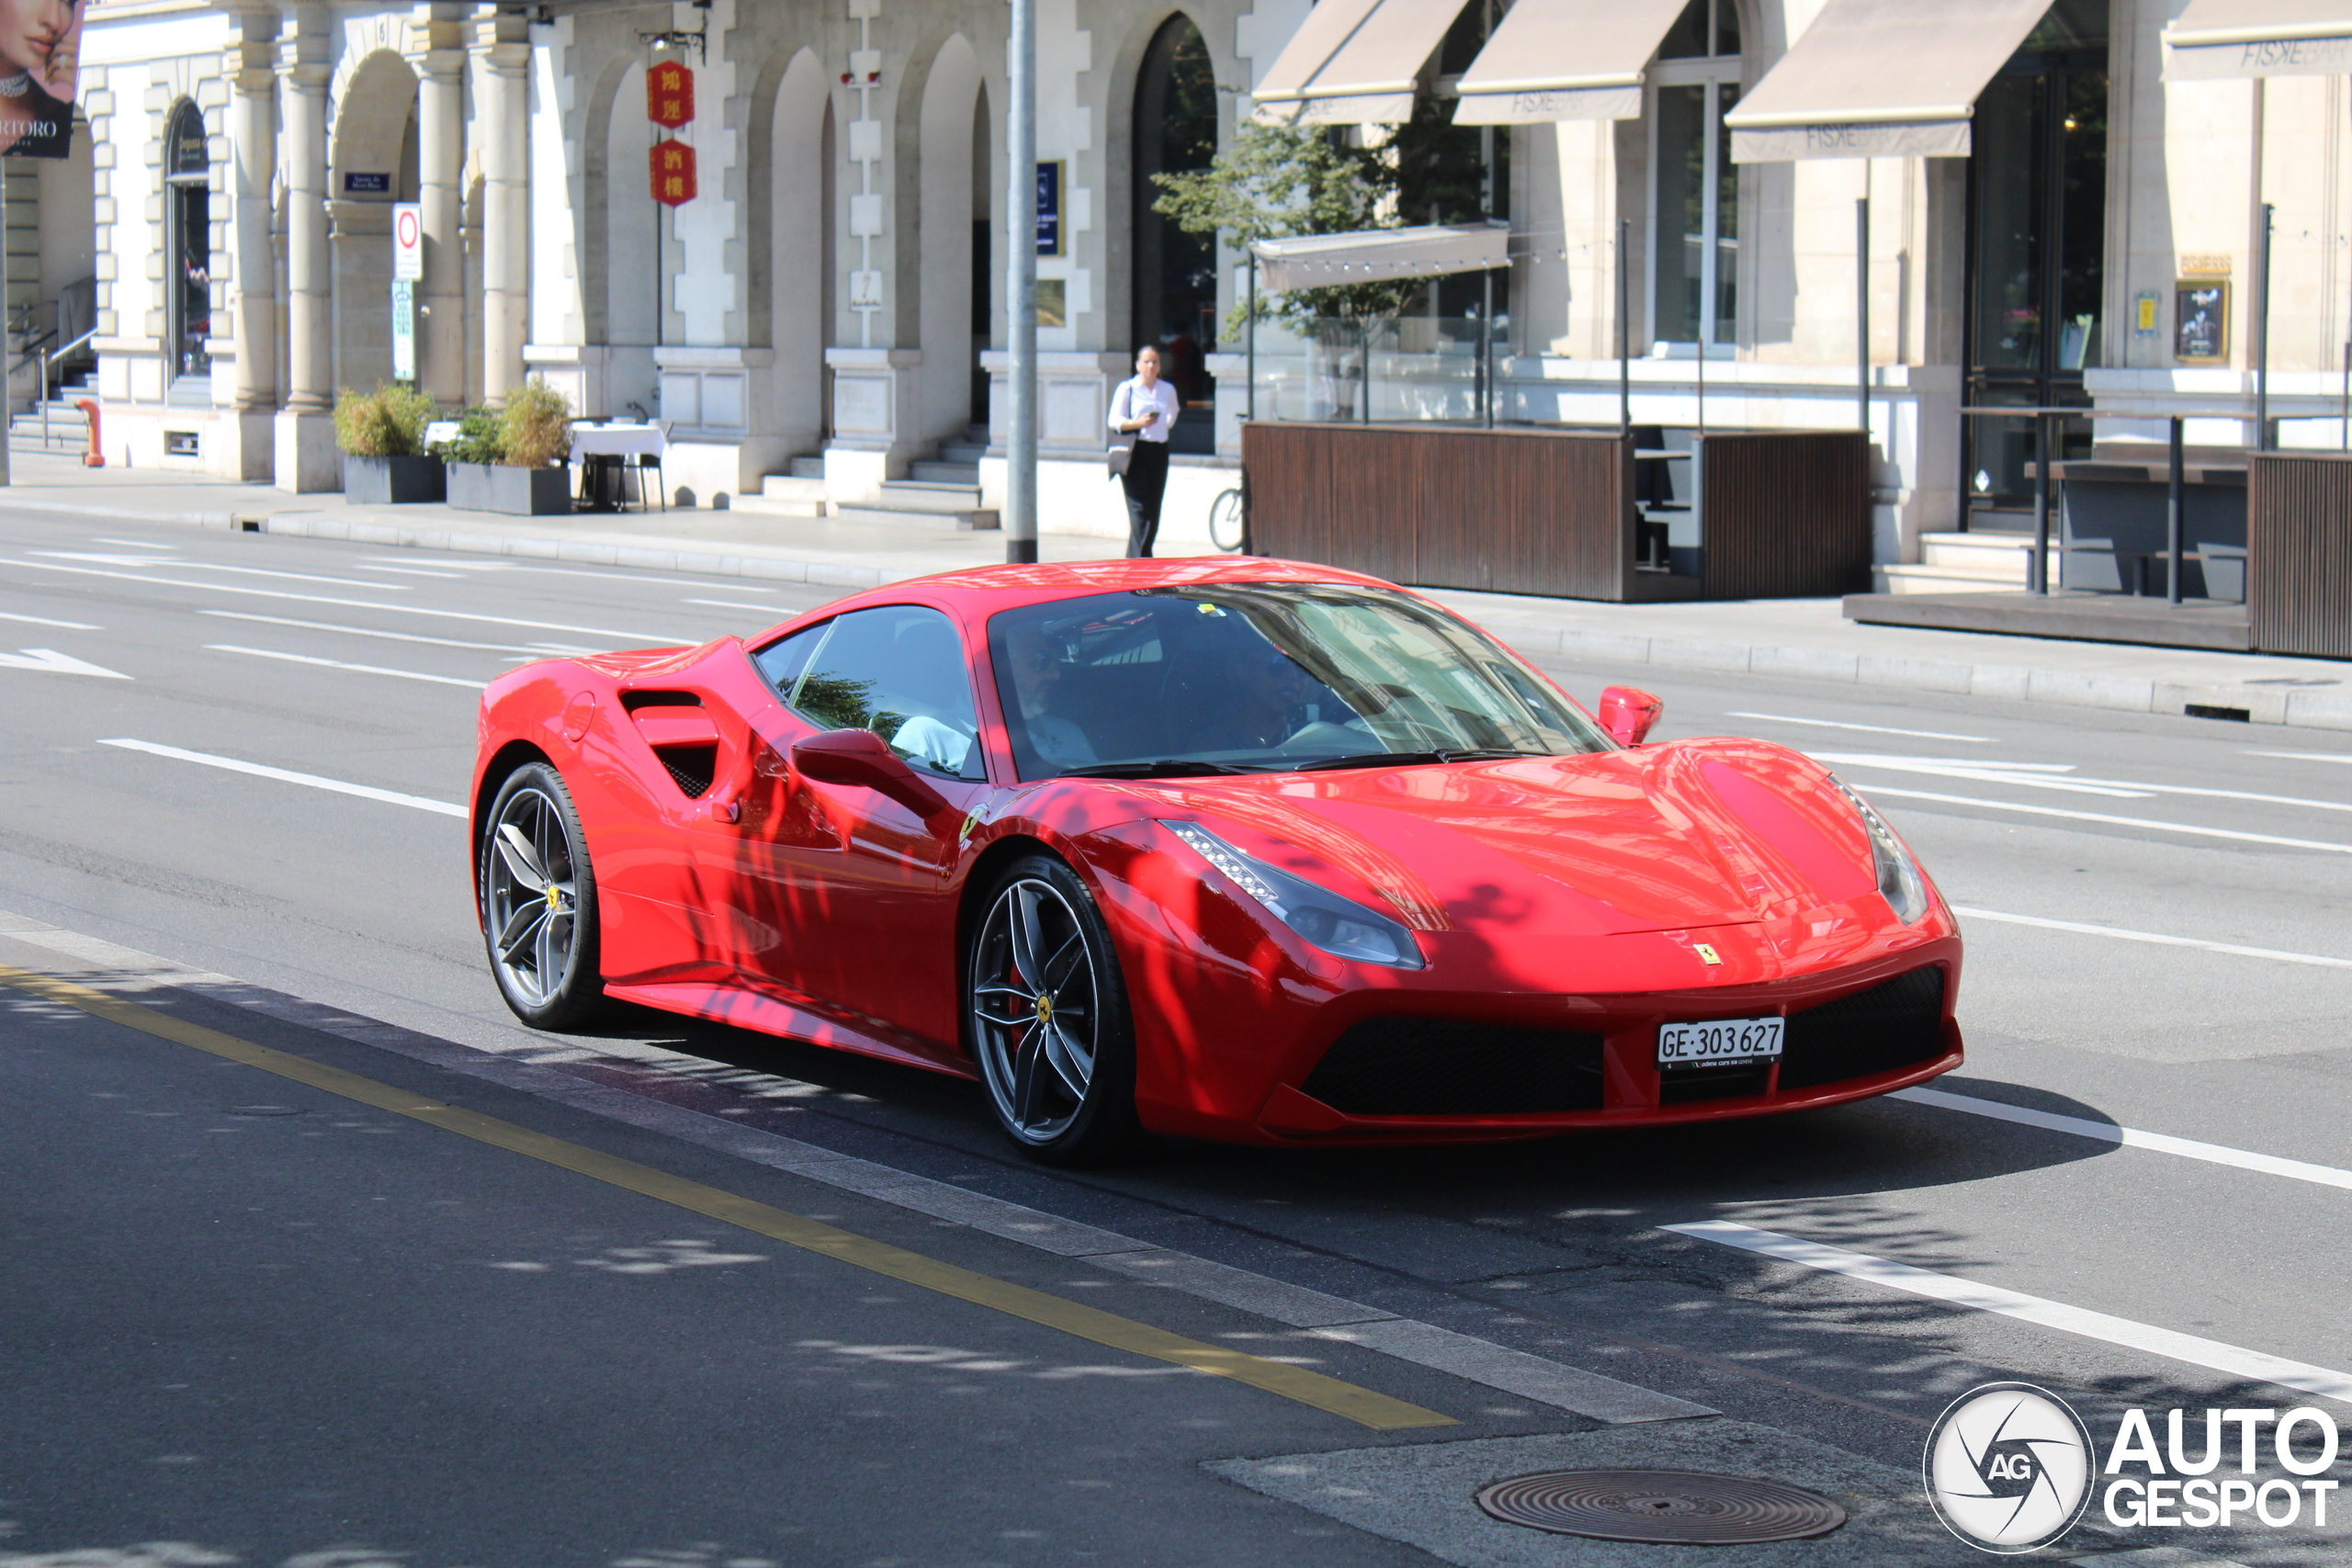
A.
pixel 1407 759
pixel 1166 768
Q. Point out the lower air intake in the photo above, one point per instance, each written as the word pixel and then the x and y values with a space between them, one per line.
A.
pixel 690 766
pixel 1429 1067
pixel 1896 1024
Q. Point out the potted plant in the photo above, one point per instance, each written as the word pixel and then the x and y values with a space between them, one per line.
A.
pixel 514 459
pixel 383 437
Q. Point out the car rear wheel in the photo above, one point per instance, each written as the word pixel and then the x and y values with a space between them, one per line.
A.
pixel 539 902
pixel 1048 1018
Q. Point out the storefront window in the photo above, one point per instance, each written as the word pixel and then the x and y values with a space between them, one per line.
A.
pixel 1694 185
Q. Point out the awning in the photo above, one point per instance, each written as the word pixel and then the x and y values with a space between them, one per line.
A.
pixel 1375 255
pixel 2259 37
pixel 1554 60
pixel 1354 62
pixel 1881 79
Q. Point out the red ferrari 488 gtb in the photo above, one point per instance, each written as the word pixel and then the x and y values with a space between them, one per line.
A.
pixel 1244 849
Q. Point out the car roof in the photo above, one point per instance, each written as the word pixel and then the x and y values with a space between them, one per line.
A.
pixel 979 592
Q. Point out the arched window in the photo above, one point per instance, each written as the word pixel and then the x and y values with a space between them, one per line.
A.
pixel 1695 186
pixel 1175 273
pixel 187 242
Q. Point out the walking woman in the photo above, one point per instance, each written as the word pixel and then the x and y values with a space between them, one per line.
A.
pixel 1144 408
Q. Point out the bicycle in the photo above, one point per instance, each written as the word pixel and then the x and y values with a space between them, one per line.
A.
pixel 1229 520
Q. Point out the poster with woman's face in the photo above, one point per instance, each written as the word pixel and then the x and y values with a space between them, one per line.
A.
pixel 41 56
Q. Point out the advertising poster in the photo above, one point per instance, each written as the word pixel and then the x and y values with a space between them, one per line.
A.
pixel 41 56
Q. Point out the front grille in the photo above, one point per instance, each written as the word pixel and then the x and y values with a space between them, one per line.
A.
pixel 1430 1067
pixel 1897 1024
pixel 691 766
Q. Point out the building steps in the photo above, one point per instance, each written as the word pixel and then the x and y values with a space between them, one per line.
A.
pixel 69 427
pixel 1966 563
pixel 948 470
pixel 789 495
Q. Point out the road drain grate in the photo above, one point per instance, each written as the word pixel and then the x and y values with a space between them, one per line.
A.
pixel 1660 1506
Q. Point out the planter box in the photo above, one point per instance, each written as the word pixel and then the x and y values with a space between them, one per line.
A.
pixel 518 492
pixel 391 482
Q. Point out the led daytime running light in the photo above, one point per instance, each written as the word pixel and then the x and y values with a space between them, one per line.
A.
pixel 1900 880
pixel 1341 927
pixel 1214 851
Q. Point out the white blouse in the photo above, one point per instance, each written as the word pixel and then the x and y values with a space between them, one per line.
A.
pixel 1129 402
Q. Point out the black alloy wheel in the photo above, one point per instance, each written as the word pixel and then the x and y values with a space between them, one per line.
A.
pixel 539 902
pixel 1049 1016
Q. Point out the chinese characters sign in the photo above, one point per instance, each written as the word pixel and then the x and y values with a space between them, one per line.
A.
pixel 669 95
pixel 673 173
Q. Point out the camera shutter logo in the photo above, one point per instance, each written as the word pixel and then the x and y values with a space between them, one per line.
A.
pixel 2009 1467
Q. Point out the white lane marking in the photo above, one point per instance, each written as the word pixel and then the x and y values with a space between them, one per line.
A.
pixel 2130 1138
pixel 532 649
pixel 1877 791
pixel 2307 756
pixel 339 664
pixel 650 638
pixel 420 571
pixel 2196 1351
pixel 2028 773
pixel 2121 934
pixel 366 791
pixel 1873 728
pixel 734 604
pixel 134 543
pixel 45 621
pixel 184 564
pixel 56 663
pixel 654 578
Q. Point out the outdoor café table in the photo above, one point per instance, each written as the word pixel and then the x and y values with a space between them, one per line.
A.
pixel 604 450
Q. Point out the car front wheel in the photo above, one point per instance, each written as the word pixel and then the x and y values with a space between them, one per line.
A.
pixel 539 902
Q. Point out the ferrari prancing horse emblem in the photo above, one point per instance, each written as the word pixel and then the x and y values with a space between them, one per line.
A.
pixel 1706 952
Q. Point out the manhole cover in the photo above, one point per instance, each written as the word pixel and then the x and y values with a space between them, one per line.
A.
pixel 1660 1506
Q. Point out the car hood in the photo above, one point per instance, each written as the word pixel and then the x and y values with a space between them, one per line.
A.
pixel 1693 834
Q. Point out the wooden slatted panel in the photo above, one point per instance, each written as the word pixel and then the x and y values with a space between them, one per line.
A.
pixel 1787 513
pixel 2298 554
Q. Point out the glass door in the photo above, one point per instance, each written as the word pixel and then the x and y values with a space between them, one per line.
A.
pixel 2037 254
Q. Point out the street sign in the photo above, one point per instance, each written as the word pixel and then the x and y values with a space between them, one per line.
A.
pixel 669 95
pixel 1049 209
pixel 673 173
pixel 408 242
pixel 403 329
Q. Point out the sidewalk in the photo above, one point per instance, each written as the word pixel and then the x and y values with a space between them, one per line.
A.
pixel 1806 639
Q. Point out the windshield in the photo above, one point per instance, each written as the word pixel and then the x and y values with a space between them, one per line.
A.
pixel 1263 678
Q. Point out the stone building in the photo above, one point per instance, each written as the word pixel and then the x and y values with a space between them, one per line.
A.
pixel 2053 188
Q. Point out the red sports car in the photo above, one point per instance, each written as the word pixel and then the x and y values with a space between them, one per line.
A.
pixel 1243 849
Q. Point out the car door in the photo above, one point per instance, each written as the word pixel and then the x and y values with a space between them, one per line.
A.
pixel 863 921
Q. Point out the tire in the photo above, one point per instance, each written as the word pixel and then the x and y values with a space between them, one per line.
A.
pixel 539 902
pixel 1228 521
pixel 1048 1018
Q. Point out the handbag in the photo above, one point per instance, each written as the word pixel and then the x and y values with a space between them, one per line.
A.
pixel 1118 455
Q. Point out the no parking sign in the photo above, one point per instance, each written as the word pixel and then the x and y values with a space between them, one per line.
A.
pixel 408 242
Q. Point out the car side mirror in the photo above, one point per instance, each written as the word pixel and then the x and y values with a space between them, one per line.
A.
pixel 1627 713
pixel 863 760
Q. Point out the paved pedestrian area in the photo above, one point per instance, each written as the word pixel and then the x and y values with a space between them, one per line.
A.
pixel 1806 639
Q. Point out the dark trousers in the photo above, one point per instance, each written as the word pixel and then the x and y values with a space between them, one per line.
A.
pixel 1147 482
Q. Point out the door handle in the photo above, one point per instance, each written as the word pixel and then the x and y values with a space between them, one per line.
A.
pixel 724 810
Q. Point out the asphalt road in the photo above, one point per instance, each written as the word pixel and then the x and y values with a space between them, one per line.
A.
pixel 263 1324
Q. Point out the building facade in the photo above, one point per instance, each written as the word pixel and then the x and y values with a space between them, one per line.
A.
pixel 833 292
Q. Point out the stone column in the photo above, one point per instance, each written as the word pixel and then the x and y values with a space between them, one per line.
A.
pixel 306 452
pixel 505 59
pixel 440 147
pixel 253 299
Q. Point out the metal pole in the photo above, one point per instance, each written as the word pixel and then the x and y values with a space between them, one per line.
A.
pixel 2345 444
pixel 2039 574
pixel 2173 520
pixel 1625 332
pixel 42 393
pixel 1020 477
pixel 2262 334
pixel 4 376
pixel 1862 315
pixel 1486 346
pixel 1250 343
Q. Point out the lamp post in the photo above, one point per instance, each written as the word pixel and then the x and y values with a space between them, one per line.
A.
pixel 1021 287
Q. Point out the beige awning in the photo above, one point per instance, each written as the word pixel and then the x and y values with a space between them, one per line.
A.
pixel 1354 62
pixel 1554 60
pixel 1881 79
pixel 2259 37
pixel 1375 255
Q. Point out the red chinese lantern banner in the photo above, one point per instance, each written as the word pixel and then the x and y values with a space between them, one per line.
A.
pixel 673 173
pixel 669 95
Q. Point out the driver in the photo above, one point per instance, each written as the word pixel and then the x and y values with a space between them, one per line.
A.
pixel 1037 669
pixel 1268 698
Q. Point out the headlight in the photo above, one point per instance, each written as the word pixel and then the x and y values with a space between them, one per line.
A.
pixel 1341 927
pixel 1898 875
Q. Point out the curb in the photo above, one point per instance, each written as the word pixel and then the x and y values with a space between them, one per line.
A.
pixel 2256 704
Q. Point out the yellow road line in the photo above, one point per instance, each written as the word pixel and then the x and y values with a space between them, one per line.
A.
pixel 1358 1404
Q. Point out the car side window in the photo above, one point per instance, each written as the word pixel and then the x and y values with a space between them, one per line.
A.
pixel 783 662
pixel 899 671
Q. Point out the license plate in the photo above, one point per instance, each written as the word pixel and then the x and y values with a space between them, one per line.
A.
pixel 1718 1042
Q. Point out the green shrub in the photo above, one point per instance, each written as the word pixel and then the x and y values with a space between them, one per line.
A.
pixel 386 422
pixel 479 439
pixel 535 428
